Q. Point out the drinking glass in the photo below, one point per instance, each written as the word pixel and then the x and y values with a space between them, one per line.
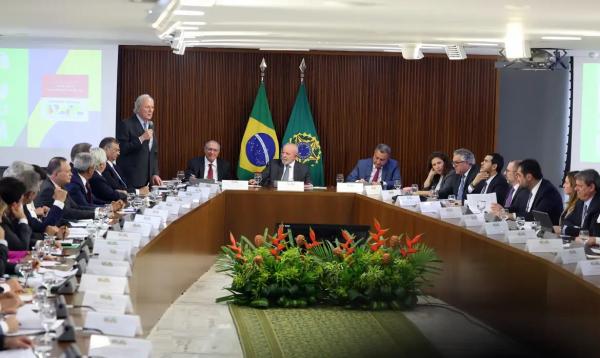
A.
pixel 503 214
pixel 452 199
pixel 48 316
pixel 180 175
pixel 39 297
pixel 414 188
pixel 339 178
pixel 397 184
pixel 48 281
pixel 584 235
pixel 257 178
pixel 433 194
pixel 25 268
pixel 481 206
pixel 520 222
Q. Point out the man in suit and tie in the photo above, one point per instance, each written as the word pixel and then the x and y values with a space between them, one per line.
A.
pixel 543 196
pixel 379 169
pixel 79 188
pixel 587 207
pixel 210 166
pixel 465 170
pixel 113 173
pixel 516 198
pixel 285 169
pixel 489 179
pixel 139 148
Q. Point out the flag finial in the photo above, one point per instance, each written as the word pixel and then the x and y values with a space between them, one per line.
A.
pixel 263 67
pixel 302 68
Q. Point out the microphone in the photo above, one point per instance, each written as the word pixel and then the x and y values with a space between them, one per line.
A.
pixel 150 125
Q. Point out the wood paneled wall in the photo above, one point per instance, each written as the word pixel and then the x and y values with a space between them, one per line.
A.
pixel 358 100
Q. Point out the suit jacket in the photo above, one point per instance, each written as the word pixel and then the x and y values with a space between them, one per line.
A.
pixel 138 161
pixel 78 194
pixel 389 173
pixel 547 200
pixel 452 183
pixel 71 211
pixel 52 219
pixel 498 185
pixel 102 191
pixel 196 167
pixel 274 171
pixel 17 235
pixel 114 178
pixel 572 223
pixel 519 202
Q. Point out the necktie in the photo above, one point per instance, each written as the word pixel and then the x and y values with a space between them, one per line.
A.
pixel 484 191
pixel 461 188
pixel 376 176
pixel 585 209
pixel 286 173
pixel 509 197
pixel 209 175
pixel 88 192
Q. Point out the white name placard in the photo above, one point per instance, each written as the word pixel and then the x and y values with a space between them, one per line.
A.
pixel 472 220
pixel 451 212
pixel 172 207
pixel 544 245
pixel 408 200
pixel 234 185
pixel 132 237
pixel 387 195
pixel 117 347
pixel 155 221
pixel 108 302
pixel 373 190
pixel 283 185
pixel 520 236
pixel 143 229
pixel 357 188
pixel 430 206
pixel 496 228
pixel 114 244
pixel 97 266
pixel 107 284
pixel 570 256
pixel 588 268
pixel 114 324
pixel 179 200
pixel 109 253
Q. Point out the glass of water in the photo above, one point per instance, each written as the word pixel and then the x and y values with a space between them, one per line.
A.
pixel 339 178
pixel 257 178
pixel 521 222
pixel 584 235
pixel 180 175
pixel 414 188
pixel 397 184
pixel 452 199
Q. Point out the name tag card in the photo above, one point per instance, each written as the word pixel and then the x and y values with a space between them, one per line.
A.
pixel 106 284
pixel 213 189
pixel 451 212
pixel 387 195
pixel 408 200
pixel 109 253
pixel 172 207
pixel 570 256
pixel 472 220
pixel 544 245
pixel 283 185
pixel 373 190
pixel 155 221
pixel 496 228
pixel 114 324
pixel 520 236
pixel 132 237
pixel 116 347
pixel 163 214
pixel 588 268
pixel 234 185
pixel 473 199
pixel 143 229
pixel 99 266
pixel 108 302
pixel 190 195
pixel 113 244
pixel 180 200
pixel 430 206
pixel 357 188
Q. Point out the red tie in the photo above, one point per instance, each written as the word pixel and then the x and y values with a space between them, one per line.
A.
pixel 376 176
pixel 210 172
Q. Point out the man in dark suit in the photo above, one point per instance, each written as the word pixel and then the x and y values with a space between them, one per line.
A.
pixel 101 190
pixel 210 166
pixel 379 169
pixel 113 174
pixel 79 188
pixel 543 196
pixel 59 175
pixel 139 148
pixel 489 179
pixel 465 170
pixel 587 207
pixel 285 169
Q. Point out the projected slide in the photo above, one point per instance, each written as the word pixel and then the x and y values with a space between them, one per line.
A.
pixel 590 114
pixel 52 98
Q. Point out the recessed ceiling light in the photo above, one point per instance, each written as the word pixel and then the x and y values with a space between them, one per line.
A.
pixel 481 44
pixel 566 38
pixel 188 13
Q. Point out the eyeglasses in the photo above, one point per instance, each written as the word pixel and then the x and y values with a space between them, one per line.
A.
pixel 457 163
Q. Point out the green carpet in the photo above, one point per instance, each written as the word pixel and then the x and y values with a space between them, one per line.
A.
pixel 327 333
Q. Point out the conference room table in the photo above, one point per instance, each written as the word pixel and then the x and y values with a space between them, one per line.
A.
pixel 528 297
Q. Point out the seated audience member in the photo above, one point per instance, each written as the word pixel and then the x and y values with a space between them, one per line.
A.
pixel 285 169
pixel 79 148
pixel 516 198
pixel 17 232
pixel 379 169
pixel 101 190
pixel 571 200
pixel 587 207
pixel 113 174
pixel 79 188
pixel 465 170
pixel 543 196
pixel 59 175
pixel 209 166
pixel 439 168
pixel 489 179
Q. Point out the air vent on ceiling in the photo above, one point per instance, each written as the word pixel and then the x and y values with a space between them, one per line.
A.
pixel 456 52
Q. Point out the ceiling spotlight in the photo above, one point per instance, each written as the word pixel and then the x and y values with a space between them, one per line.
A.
pixel 412 52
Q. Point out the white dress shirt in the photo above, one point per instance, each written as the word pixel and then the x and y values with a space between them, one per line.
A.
pixel 533 194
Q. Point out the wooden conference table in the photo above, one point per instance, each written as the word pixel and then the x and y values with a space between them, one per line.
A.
pixel 527 297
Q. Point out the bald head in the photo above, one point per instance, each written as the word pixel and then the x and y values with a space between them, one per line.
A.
pixel 289 153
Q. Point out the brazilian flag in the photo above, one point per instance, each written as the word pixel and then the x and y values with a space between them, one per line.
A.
pixel 259 144
pixel 301 131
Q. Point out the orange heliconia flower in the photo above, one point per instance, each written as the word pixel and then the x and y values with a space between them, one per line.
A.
pixel 376 237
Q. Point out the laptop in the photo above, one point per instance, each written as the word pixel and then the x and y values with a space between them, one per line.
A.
pixel 544 219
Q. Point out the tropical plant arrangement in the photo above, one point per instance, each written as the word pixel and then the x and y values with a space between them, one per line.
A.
pixel 281 270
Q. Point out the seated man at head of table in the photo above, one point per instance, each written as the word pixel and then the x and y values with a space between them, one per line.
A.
pixel 209 166
pixel 285 169
pixel 379 169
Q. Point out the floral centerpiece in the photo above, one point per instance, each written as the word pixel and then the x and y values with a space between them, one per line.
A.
pixel 286 271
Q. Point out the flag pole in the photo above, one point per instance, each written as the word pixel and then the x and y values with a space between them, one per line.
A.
pixel 263 67
pixel 302 68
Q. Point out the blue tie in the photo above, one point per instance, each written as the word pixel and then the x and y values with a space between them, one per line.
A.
pixel 461 188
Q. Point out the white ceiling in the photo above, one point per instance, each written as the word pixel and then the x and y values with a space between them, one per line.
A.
pixel 313 24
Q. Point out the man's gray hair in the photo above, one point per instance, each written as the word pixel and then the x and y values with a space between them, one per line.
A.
pixel 212 141
pixel 466 154
pixel 31 179
pixel 98 157
pixel 16 168
pixel 589 177
pixel 139 101
pixel 383 148
pixel 82 162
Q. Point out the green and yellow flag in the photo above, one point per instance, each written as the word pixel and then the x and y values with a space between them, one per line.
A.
pixel 259 144
pixel 301 131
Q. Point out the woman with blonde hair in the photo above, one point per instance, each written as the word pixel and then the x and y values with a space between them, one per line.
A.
pixel 569 189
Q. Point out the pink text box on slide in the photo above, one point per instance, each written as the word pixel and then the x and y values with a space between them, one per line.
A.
pixel 65 86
